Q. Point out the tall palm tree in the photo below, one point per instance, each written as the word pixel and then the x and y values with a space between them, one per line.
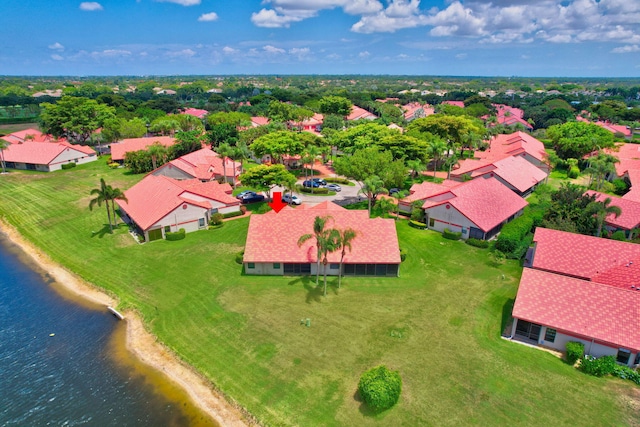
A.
pixel 346 237
pixel 102 196
pixel 319 224
pixel 3 146
pixel 603 209
pixel 371 187
pixel 330 242
pixel 115 194
pixel 416 167
pixel 436 147
pixel 311 154
pixel 156 151
pixel 224 150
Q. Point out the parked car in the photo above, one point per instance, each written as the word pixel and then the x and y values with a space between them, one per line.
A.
pixel 252 198
pixel 320 181
pixel 393 191
pixel 241 194
pixel 334 187
pixel 291 198
pixel 309 183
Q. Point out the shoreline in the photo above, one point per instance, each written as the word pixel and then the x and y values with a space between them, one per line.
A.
pixel 141 343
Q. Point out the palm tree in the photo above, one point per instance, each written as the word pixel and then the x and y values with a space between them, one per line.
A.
pixel 346 237
pixel 319 224
pixel 156 151
pixel 115 194
pixel 224 150
pixel 450 163
pixel 310 157
pixel 416 167
pixel 603 209
pixel 3 146
pixel 371 187
pixel 436 148
pixel 102 196
pixel 330 242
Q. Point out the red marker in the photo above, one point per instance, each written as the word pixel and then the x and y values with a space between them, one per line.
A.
pixel 277 204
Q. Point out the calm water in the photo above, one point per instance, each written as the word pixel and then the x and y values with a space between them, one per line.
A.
pixel 82 375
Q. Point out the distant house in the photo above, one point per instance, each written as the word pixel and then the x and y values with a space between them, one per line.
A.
pixel 158 204
pixel 30 135
pixel 629 218
pixel 415 110
pixel 272 243
pixel 454 103
pixel 516 144
pixel 195 112
pixel 478 208
pixel 358 113
pixel 312 124
pixel 120 149
pixel 46 156
pixel 580 288
pixel 510 116
pixel 259 121
pixel 204 164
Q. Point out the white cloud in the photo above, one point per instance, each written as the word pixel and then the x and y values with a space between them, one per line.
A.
pixel 208 17
pixel 182 2
pixel 627 49
pixel 461 56
pixel 56 46
pixel 273 49
pixel 269 18
pixel 90 6
pixel 110 53
pixel 364 54
pixel 184 53
pixel 229 50
pixel 57 57
pixel 286 12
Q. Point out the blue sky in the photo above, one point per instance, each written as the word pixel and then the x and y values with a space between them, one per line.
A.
pixel 568 38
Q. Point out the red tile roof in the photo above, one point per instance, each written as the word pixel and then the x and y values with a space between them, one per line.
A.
pixel 155 197
pixel 358 113
pixel 634 178
pixel 119 149
pixel 579 307
pixel 629 217
pixel 578 255
pixel 519 172
pixel 41 153
pixel 205 164
pixel 428 189
pixel 513 144
pixel 629 156
pixel 484 201
pixel 454 103
pixel 34 134
pixel 196 112
pixel 259 121
pixel 273 237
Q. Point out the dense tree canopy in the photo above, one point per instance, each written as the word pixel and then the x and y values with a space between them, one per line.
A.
pixel 363 136
pixel 370 162
pixel 265 177
pixel 277 144
pixel 575 139
pixel 453 129
pixel 74 118
pixel 335 105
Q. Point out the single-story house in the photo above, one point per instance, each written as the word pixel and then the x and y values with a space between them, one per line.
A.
pixel 272 243
pixel 30 135
pixel 204 164
pixel 515 172
pixel 516 144
pixel 629 218
pixel 312 124
pixel 119 149
pixel 159 204
pixel 477 208
pixel 358 113
pixel 46 156
pixel 581 288
pixel 415 110
pixel 422 191
pixel 196 112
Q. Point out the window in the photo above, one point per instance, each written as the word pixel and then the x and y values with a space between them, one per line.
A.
pixel 334 266
pixel 201 222
pixel 276 266
pixel 623 356
pixel 251 265
pixel 432 222
pixel 297 269
pixel 528 330
pixel 464 230
pixel 167 228
pixel 550 335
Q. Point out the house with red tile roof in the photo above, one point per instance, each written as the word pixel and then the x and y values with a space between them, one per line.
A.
pixel 510 116
pixel 272 243
pixel 204 164
pixel 120 149
pixel 415 110
pixel 477 208
pixel 633 175
pixel 454 103
pixel 312 124
pixel 358 113
pixel 46 156
pixel 30 135
pixel 196 112
pixel 159 204
pixel 629 218
pixel 259 121
pixel 516 144
pixel 515 172
pixel 422 191
pixel 581 288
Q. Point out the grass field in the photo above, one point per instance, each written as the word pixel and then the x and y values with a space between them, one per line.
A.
pixel 438 324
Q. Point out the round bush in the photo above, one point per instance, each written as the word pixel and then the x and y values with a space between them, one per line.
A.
pixel 380 388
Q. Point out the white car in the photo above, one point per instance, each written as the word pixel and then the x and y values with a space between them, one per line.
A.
pixel 291 199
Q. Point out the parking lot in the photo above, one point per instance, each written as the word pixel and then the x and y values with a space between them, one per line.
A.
pixel 349 194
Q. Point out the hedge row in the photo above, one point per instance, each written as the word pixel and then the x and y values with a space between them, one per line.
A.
pixel 478 243
pixel 417 224
pixel 68 166
pixel 626 373
pixel 317 190
pixel 598 367
pixel 232 214
pixel 451 235
pixel 511 240
pixel 344 181
pixel 175 235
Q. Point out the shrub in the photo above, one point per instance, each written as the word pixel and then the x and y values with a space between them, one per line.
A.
pixel 619 235
pixel 68 166
pixel 114 165
pixel 234 214
pixel 380 388
pixel 403 255
pixel 243 209
pixel 575 350
pixel 620 186
pixel 318 190
pixel 573 173
pixel 240 257
pixel 478 243
pixel 344 181
pixel 417 224
pixel 451 235
pixel 175 235
pixel 626 373
pixel 599 367
pixel 216 219
pixel 514 232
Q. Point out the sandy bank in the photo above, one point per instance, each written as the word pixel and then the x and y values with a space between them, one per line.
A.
pixel 139 341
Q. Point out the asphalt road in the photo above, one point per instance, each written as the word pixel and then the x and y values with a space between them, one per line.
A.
pixel 349 194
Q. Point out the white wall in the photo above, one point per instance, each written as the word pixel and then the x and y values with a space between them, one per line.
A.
pixel 448 218
pixel 184 218
pixel 69 155
pixel 171 171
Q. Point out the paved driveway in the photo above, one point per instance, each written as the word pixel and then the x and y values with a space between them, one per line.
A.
pixel 349 194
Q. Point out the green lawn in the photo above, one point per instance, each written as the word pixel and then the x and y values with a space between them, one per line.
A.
pixel 438 324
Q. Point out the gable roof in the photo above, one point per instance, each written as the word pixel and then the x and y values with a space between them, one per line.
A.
pixel 42 153
pixel 580 256
pixel 204 164
pixel 376 242
pixel 196 112
pixel 583 308
pixel 518 172
pixel 628 156
pixel 119 149
pixel 358 113
pixel 629 217
pixel 427 189
pixel 154 197
pixel 485 202
pixel 634 179
pixel 513 144
pixel 30 135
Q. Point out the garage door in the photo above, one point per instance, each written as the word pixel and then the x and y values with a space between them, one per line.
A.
pixel 155 234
